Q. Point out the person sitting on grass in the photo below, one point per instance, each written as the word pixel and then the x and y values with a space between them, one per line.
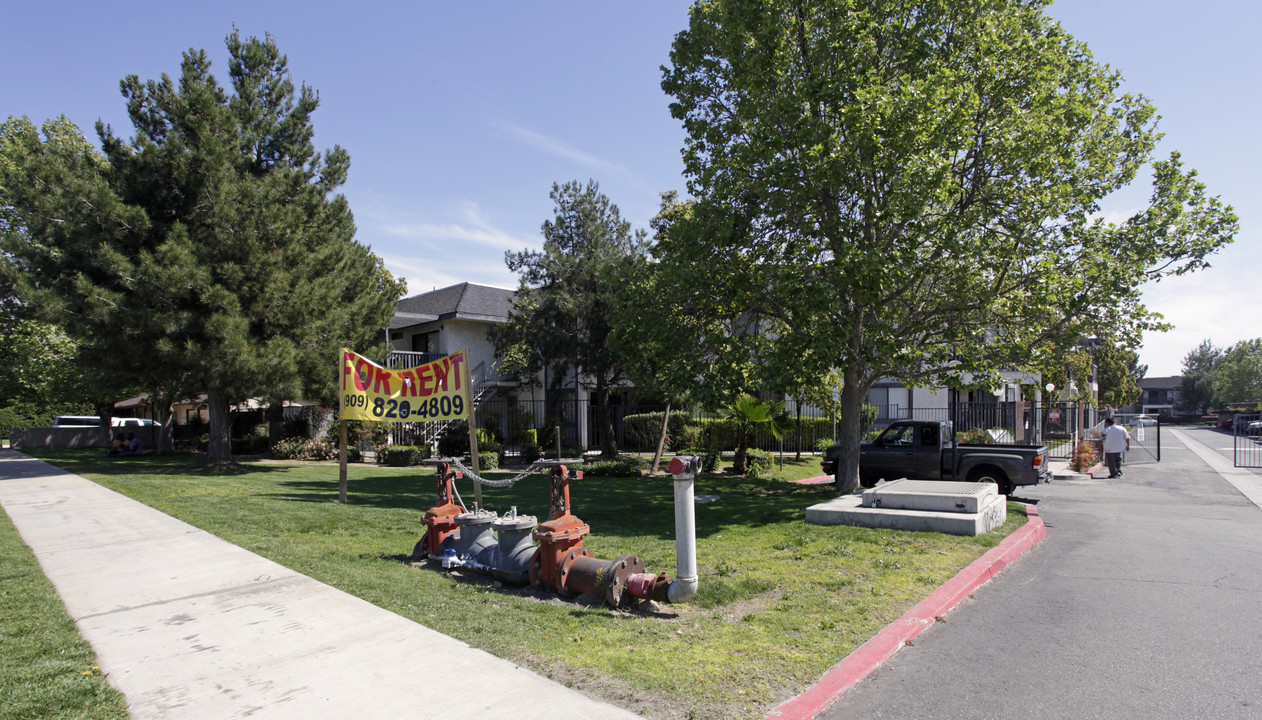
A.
pixel 133 446
pixel 120 446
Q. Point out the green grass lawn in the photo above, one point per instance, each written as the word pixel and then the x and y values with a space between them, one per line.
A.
pixel 779 603
pixel 46 669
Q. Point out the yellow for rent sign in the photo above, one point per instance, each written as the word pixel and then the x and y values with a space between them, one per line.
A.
pixel 430 392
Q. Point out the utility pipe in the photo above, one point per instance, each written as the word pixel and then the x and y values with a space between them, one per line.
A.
pixel 684 586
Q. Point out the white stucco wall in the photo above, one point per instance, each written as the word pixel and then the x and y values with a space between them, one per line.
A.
pixel 937 398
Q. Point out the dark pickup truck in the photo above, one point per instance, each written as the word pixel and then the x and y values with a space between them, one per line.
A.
pixel 922 450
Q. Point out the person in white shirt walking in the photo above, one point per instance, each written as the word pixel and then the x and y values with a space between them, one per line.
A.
pixel 1116 442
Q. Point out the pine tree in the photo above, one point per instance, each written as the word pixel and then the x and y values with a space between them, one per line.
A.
pixel 218 259
pixel 561 315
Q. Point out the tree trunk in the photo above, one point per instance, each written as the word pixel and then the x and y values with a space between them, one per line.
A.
pixel 105 415
pixel 742 449
pixel 608 444
pixel 219 449
pixel 165 419
pixel 850 431
pixel 105 411
pixel 798 430
pixel 661 440
pixel 275 422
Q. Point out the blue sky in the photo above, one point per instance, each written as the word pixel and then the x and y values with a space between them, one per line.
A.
pixel 459 116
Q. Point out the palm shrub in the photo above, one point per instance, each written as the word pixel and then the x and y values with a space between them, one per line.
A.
pixel 747 412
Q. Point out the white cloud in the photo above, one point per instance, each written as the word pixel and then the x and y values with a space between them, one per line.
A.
pixel 426 272
pixel 475 228
pixel 558 148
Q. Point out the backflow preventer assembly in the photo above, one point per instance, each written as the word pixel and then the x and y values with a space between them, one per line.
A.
pixel 504 547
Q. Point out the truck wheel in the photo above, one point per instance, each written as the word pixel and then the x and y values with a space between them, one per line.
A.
pixel 992 475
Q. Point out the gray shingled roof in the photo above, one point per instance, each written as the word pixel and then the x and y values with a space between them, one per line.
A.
pixel 1159 383
pixel 465 301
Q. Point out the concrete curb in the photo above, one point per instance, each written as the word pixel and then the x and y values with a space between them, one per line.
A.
pixel 858 664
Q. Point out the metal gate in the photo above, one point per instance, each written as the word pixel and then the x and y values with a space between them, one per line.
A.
pixel 1145 432
pixel 1248 441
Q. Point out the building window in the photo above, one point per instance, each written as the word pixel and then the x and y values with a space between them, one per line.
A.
pixel 425 342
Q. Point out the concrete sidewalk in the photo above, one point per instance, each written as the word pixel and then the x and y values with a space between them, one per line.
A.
pixel 189 626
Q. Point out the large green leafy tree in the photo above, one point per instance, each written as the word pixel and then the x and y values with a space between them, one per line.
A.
pixel 1119 373
pixel 888 187
pixel 689 335
pixel 1196 386
pixel 1238 376
pixel 208 251
pixel 560 317
pixel 55 205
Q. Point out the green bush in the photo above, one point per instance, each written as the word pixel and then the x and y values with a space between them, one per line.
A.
pixel 822 444
pixel 488 460
pixel 568 452
pixel 23 415
pixel 717 433
pixel 455 442
pixel 642 430
pixel 721 433
pixel 303 449
pixel 530 436
pixel 367 434
pixel 403 455
pixel 975 436
pixel 612 468
pixel 250 445
pixel 530 452
pixel 758 463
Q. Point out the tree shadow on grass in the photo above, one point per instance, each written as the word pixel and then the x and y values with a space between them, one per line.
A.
pixel 97 462
pixel 385 490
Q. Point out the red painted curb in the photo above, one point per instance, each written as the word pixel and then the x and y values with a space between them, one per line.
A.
pixel 858 664
pixel 817 480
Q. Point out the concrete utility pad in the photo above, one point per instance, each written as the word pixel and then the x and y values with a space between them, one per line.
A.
pixel 907 505
pixel 931 495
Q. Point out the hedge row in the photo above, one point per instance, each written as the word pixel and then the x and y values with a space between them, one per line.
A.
pixel 29 416
pixel 611 468
pixel 403 455
pixel 641 432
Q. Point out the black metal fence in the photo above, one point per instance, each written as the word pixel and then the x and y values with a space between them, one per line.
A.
pixel 1247 442
pixel 1145 432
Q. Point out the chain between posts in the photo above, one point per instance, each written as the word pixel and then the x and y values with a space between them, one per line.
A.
pixel 508 482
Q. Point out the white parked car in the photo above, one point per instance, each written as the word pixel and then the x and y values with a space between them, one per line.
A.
pixel 95 421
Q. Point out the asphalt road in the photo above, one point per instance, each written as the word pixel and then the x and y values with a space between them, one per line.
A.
pixel 1145 601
